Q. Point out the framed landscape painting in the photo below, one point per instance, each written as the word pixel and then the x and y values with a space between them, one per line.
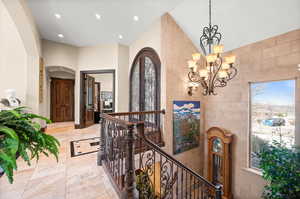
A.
pixel 186 125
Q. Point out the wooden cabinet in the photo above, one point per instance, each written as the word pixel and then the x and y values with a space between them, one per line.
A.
pixel 219 159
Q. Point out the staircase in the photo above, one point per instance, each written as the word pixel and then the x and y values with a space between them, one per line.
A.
pixel 131 154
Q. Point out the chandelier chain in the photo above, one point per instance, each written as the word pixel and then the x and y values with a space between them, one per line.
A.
pixel 209 12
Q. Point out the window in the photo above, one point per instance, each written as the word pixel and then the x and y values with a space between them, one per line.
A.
pixel 145 81
pixel 272 109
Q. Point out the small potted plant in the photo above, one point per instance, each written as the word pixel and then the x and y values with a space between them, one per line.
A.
pixel 21 136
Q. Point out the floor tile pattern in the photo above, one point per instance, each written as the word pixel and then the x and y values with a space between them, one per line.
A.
pixel 70 178
pixel 84 146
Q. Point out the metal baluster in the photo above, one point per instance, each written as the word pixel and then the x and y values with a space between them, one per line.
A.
pixel 218 192
pixel 172 178
pixel 181 184
pixel 177 180
pixel 100 154
pixel 130 188
pixel 160 175
pixel 154 169
pixel 186 184
pixel 190 186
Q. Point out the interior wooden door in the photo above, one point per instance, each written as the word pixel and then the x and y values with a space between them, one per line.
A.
pixel 62 100
pixel 89 95
pixel 97 96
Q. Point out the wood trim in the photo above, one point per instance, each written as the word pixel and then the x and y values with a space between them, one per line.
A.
pixel 226 155
pixel 52 96
pixel 77 126
pixel 44 129
pixel 81 89
pixel 136 113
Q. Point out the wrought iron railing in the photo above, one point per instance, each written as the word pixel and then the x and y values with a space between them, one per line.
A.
pixel 139 168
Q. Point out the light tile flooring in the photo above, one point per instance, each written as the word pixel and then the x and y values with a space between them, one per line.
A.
pixel 70 178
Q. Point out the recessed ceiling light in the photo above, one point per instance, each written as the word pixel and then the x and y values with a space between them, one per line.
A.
pixel 60 35
pixel 58 16
pixel 120 36
pixel 298 65
pixel 136 18
pixel 98 16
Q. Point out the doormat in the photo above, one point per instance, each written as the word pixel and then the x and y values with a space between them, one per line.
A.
pixel 84 146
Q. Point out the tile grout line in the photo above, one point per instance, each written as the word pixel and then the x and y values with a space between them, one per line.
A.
pixel 29 180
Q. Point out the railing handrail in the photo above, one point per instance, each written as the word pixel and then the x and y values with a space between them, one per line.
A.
pixel 137 113
pixel 140 127
pixel 129 189
pixel 123 123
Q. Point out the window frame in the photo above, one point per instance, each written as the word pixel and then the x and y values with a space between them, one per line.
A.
pixel 249 150
pixel 140 57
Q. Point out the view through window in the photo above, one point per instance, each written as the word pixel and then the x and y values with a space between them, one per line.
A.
pixel 272 109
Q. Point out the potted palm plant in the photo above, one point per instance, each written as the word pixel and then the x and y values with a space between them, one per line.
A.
pixel 21 136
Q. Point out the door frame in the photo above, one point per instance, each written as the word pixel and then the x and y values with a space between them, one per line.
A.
pixel 150 52
pixel 82 86
pixel 51 96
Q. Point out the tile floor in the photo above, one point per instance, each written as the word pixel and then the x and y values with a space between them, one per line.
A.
pixel 70 178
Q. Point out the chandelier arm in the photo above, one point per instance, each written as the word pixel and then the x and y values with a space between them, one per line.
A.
pixel 214 30
pixel 202 38
pixel 194 77
pixel 218 69
pixel 204 84
pixel 221 83
pixel 234 74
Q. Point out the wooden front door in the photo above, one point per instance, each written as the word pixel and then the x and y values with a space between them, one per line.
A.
pixel 62 100
pixel 89 96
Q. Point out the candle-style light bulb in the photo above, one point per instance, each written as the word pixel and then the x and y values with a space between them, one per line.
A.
pixel 192 64
pixel 230 59
pixel 196 56
pixel 203 73
pixel 218 49
pixel 222 74
pixel 211 58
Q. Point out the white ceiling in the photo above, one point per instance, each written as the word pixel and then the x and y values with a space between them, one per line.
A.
pixel 80 27
pixel 241 22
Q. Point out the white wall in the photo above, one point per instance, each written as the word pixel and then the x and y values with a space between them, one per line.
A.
pixel 102 57
pixel 21 55
pixel 13 57
pixel 106 81
pixel 240 22
pixel 150 38
pixel 58 54
pixel 123 78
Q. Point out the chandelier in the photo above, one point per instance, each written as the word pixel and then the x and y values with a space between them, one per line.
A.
pixel 214 71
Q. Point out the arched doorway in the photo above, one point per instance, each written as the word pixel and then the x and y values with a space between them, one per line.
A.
pixel 60 83
pixel 145 81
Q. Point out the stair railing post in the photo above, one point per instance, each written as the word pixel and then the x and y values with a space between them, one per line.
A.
pixel 130 184
pixel 218 192
pixel 101 152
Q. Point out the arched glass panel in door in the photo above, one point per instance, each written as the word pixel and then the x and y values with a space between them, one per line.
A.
pixel 145 82
pixel 135 87
pixel 150 85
